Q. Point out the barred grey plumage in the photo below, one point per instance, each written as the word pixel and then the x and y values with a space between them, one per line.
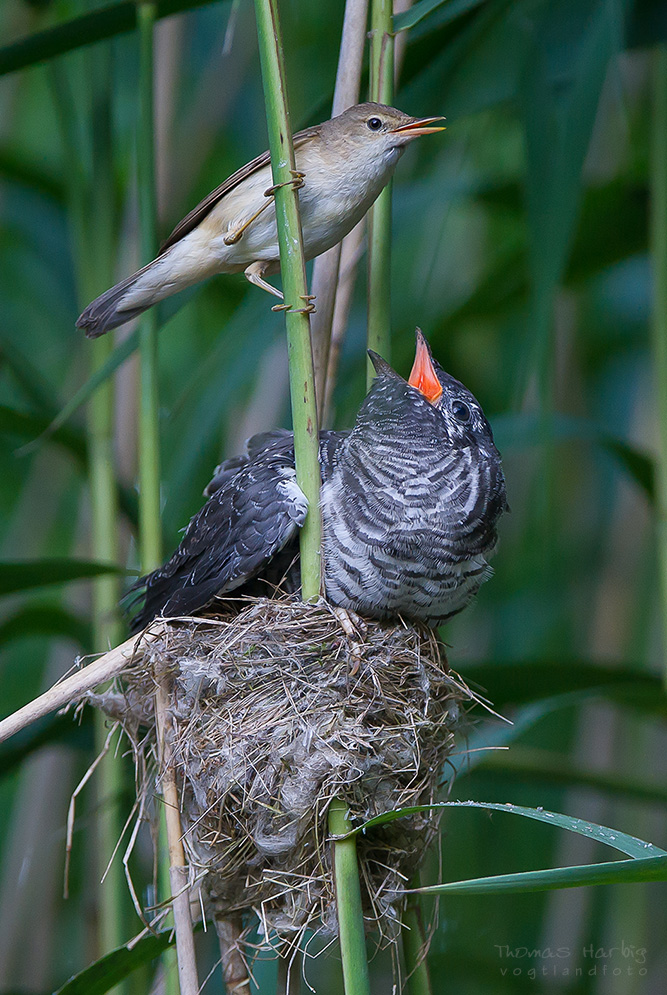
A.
pixel 411 499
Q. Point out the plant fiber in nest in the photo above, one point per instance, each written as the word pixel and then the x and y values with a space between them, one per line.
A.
pixel 276 711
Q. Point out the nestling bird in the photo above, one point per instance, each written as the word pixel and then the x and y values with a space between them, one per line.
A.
pixel 342 165
pixel 410 499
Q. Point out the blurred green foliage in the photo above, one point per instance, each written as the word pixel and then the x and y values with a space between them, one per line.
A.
pixel 520 246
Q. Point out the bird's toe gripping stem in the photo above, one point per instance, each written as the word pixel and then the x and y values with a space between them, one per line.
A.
pixel 296 182
pixel 309 307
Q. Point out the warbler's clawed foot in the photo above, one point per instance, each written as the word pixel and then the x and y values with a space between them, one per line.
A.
pixel 296 182
pixel 308 309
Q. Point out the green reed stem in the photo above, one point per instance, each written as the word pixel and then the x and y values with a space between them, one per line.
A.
pixel 90 195
pixel 348 902
pixel 379 216
pixel 293 271
pixel 658 229
pixel 96 268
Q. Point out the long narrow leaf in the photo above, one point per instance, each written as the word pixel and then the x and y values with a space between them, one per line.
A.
pixel 100 376
pixel 22 576
pixel 106 972
pixel 642 869
pixel 591 830
pixel 30 424
pixel 558 127
pixel 50 620
pixel 84 30
pixel 453 9
pixel 122 352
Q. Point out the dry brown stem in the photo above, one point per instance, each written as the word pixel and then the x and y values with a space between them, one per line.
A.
pixel 73 687
pixel 326 266
pixel 178 875
pixel 234 968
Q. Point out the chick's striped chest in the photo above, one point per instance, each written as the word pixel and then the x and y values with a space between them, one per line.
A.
pixel 395 534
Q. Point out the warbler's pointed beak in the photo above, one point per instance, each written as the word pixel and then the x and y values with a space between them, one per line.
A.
pixel 418 126
pixel 423 375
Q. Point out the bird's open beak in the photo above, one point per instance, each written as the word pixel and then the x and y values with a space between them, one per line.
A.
pixel 423 375
pixel 418 126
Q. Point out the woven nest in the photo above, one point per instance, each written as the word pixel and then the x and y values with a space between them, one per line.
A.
pixel 276 711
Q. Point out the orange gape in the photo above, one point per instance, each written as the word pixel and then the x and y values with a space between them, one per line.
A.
pixel 423 375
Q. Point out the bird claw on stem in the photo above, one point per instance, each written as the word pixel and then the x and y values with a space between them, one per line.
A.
pixel 308 309
pixel 296 182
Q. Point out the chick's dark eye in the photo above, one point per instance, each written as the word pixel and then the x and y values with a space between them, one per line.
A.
pixel 461 411
pixel 374 123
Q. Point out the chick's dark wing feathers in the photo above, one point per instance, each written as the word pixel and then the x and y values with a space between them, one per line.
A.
pixel 279 439
pixel 254 511
pixel 280 442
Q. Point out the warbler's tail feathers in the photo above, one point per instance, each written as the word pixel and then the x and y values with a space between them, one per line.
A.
pixel 107 310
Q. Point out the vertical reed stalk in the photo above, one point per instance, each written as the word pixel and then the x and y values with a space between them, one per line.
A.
pixel 379 216
pixel 90 201
pixel 173 867
pixel 150 533
pixel 293 271
pixel 658 228
pixel 177 869
pixel 348 902
pixel 304 415
pixel 91 197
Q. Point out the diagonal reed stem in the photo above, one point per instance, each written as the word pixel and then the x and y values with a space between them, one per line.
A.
pixel 293 272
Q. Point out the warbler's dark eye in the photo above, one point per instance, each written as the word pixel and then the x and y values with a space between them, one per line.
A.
pixel 374 123
pixel 461 411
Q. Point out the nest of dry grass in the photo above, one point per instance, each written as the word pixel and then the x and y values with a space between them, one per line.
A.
pixel 276 711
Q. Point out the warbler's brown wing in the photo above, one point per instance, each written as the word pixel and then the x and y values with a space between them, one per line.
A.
pixel 198 213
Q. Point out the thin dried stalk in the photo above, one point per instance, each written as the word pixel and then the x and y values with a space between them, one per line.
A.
pixel 234 968
pixel 72 688
pixel 178 876
pixel 379 216
pixel 326 267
